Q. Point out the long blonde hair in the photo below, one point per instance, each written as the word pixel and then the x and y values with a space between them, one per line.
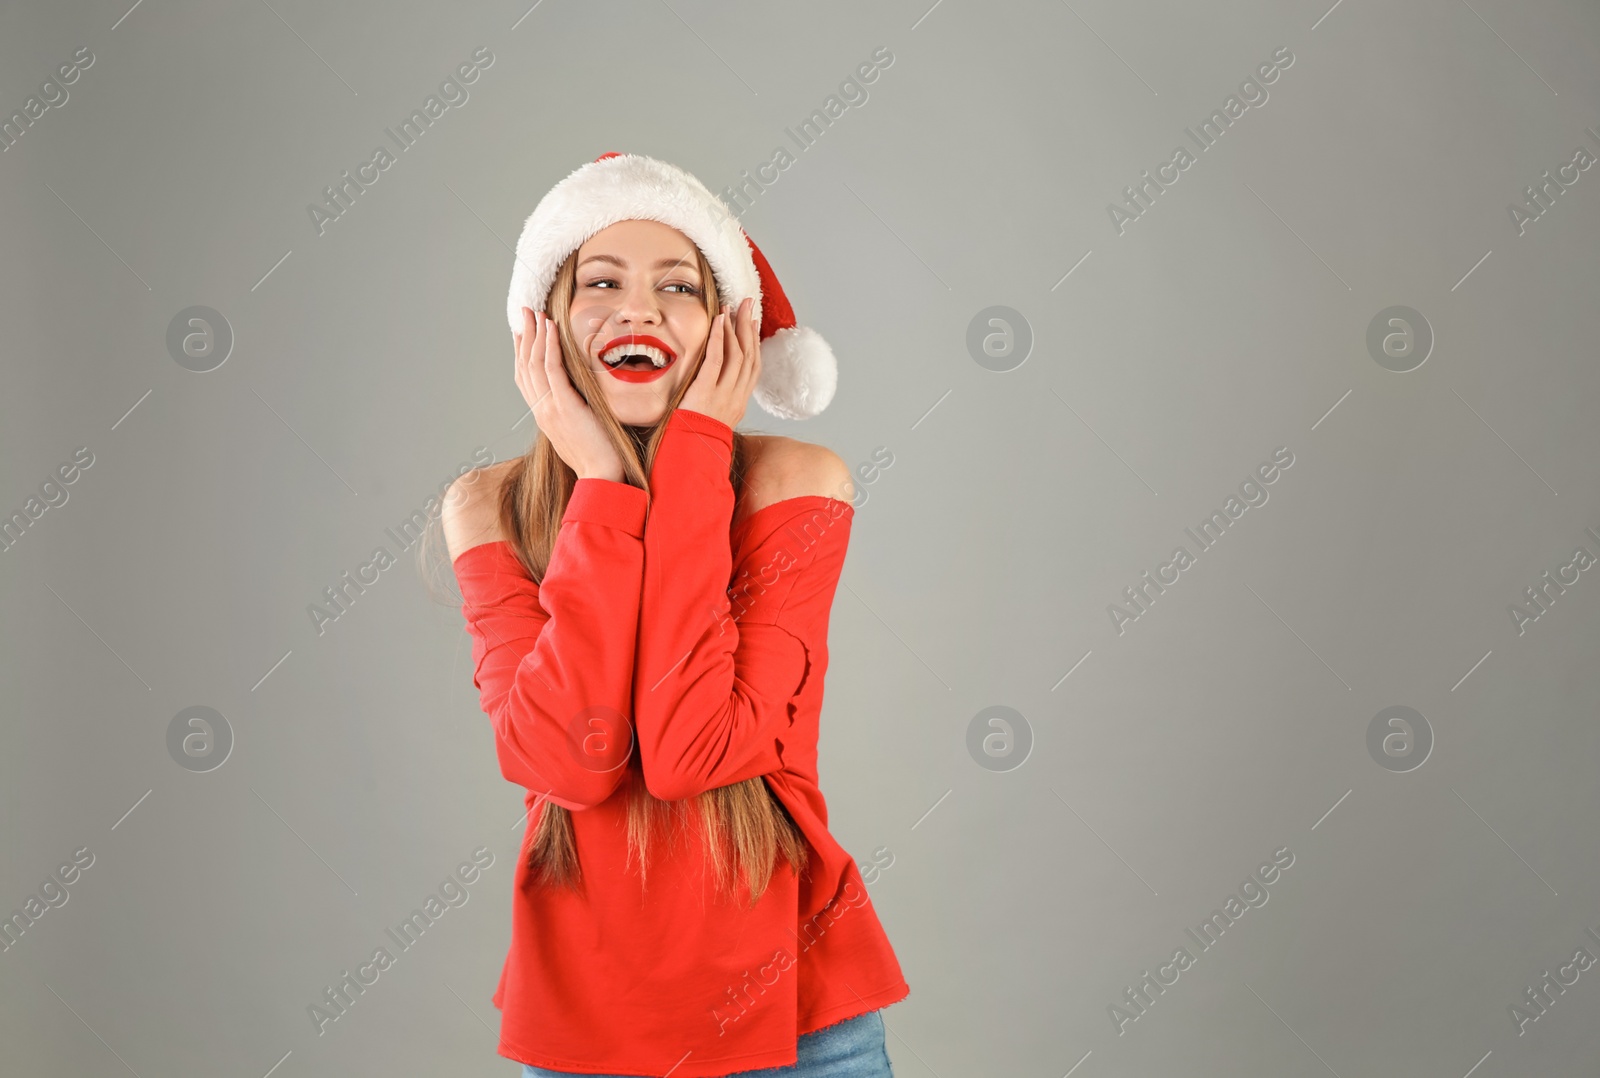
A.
pixel 744 826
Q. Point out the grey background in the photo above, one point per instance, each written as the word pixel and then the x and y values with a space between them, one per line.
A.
pixel 1228 722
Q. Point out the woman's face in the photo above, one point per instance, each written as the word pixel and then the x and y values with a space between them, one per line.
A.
pixel 638 293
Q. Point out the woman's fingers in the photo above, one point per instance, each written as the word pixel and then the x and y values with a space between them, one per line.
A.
pixel 516 341
pixel 732 364
pixel 746 337
pixel 712 368
pixel 733 358
pixel 519 353
pixel 554 371
pixel 532 357
pixel 749 347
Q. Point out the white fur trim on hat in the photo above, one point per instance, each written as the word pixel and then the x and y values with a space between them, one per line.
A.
pixel 625 188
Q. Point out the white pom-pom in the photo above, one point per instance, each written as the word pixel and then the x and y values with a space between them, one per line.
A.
pixel 798 374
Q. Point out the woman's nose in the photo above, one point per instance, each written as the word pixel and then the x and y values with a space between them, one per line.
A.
pixel 638 305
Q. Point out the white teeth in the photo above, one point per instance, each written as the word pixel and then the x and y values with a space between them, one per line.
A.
pixel 615 355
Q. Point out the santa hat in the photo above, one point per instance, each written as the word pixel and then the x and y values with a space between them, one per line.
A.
pixel 798 369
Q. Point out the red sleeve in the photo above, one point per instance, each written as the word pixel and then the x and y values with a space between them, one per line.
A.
pixel 712 694
pixel 553 662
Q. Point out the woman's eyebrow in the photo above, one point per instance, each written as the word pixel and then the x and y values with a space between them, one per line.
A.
pixel 661 263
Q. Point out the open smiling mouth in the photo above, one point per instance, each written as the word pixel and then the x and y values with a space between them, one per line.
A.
pixel 636 358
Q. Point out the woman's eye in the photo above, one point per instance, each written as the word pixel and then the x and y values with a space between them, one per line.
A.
pixel 688 289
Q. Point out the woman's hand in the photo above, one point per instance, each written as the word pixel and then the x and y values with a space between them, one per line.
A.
pixel 564 417
pixel 722 387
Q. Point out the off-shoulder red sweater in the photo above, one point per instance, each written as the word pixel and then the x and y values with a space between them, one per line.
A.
pixel 660 621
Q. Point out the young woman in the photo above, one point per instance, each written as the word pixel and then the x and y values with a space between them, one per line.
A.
pixel 648 593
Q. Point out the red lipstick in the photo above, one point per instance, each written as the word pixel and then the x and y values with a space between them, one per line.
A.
pixel 648 374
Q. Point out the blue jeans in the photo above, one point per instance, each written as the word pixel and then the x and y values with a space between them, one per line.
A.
pixel 853 1048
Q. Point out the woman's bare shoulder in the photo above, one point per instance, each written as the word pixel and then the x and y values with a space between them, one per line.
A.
pixel 471 510
pixel 782 468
